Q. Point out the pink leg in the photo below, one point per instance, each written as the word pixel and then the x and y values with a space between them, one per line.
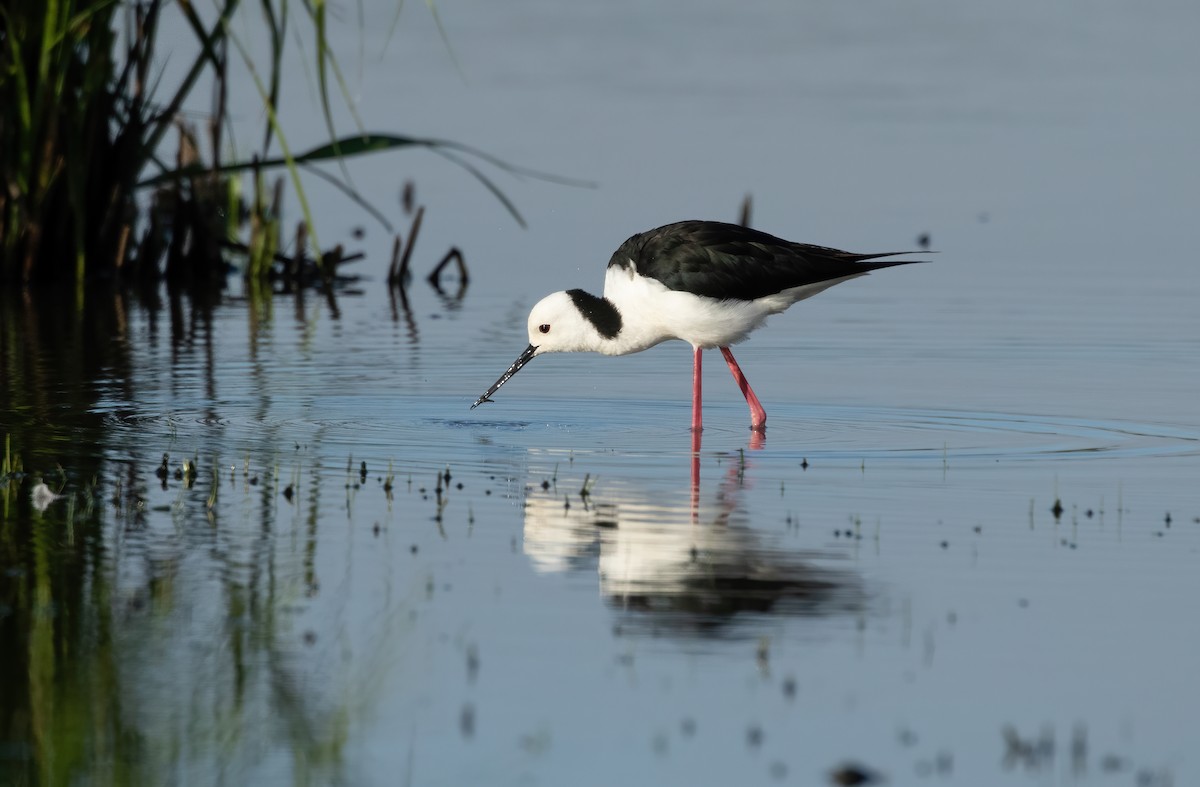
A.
pixel 758 416
pixel 696 476
pixel 697 428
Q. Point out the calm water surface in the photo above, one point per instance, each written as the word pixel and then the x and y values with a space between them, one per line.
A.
pixel 366 582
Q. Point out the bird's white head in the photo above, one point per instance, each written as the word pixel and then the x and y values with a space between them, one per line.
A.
pixel 570 321
pixel 557 324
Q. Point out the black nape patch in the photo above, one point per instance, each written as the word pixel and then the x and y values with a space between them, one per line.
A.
pixel 599 312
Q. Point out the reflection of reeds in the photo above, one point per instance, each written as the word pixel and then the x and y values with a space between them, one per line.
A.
pixel 10 478
pixel 12 462
pixel 85 119
pixel 135 639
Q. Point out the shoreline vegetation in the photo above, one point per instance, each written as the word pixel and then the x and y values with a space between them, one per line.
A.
pixel 91 193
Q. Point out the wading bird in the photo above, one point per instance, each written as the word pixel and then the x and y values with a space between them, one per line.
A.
pixel 705 282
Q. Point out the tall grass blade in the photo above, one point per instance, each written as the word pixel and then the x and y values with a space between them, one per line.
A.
pixel 277 28
pixel 392 28
pixel 288 160
pixel 437 21
pixel 208 54
pixel 370 143
pixel 487 183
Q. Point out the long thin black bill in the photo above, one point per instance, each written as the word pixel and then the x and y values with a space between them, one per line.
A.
pixel 522 359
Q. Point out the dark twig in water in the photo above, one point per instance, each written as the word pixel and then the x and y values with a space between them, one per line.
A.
pixel 299 260
pixel 409 321
pixel 292 268
pixel 397 247
pixel 399 274
pixel 455 256
pixel 452 301
pixel 328 272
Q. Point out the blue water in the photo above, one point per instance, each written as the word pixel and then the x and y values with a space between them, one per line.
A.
pixel 882 582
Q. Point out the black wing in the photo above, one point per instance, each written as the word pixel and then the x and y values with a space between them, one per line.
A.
pixel 729 261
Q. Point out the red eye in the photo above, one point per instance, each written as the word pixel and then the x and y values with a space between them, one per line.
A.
pixel 544 328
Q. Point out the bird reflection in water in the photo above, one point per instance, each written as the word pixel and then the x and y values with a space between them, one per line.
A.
pixel 668 564
pixel 758 441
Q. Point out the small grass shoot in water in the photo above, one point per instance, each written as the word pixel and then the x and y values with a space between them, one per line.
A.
pixel 588 482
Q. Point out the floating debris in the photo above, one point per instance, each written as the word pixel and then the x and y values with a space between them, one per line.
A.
pixel 187 473
pixel 850 774
pixel 762 654
pixel 1032 753
pixel 466 721
pixel 472 663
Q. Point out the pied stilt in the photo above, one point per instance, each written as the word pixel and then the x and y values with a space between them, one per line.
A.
pixel 705 282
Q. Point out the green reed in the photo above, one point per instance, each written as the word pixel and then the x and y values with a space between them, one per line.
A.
pixel 87 190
